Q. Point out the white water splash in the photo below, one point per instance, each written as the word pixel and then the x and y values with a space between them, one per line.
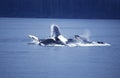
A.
pixel 86 35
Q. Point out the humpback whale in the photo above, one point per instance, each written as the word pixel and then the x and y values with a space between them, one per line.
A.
pixel 56 38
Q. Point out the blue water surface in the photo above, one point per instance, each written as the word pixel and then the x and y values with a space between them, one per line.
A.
pixel 18 59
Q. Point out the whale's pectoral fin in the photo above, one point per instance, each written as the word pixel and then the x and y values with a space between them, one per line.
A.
pixel 55 31
pixel 35 39
pixel 56 34
pixel 62 39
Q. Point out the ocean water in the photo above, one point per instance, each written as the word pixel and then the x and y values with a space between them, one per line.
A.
pixel 18 59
